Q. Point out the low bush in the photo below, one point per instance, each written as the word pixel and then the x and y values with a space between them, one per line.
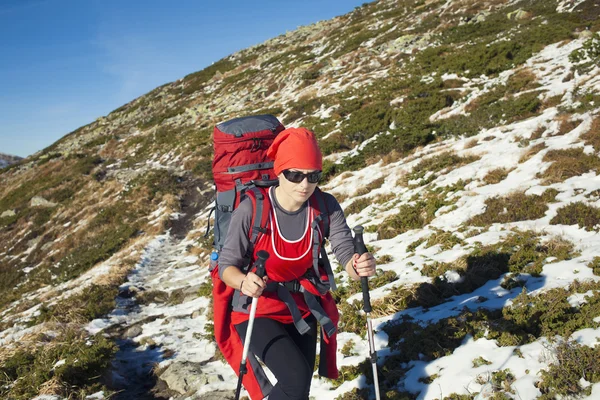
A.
pixel 521 252
pixel 595 265
pixel 573 363
pixel 578 213
pixel 592 136
pixel 84 361
pixel 527 319
pixel 496 176
pixel 568 163
pixel 92 302
pixel 479 361
pixel 531 151
pixel 515 207
pixel 439 163
pixel 413 216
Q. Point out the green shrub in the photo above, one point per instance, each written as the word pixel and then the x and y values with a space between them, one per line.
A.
pixel 527 319
pixel 412 216
pixel 93 250
pixel 194 82
pixel 574 362
pixel 522 252
pixel 439 163
pixel 515 207
pixel 358 205
pixel 588 55
pixel 479 361
pixel 92 302
pixel 446 240
pixel 578 213
pixel 595 265
pixel 502 380
pixel 85 360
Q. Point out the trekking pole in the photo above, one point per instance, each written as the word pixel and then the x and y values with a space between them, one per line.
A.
pixel 360 248
pixel 260 271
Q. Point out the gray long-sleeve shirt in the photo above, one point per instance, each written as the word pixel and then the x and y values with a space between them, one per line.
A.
pixel 291 224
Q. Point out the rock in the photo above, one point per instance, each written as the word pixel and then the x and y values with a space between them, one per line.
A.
pixel 184 377
pixel 218 395
pixel 132 332
pixel 38 201
pixel 8 213
pixel 147 341
pixel 519 15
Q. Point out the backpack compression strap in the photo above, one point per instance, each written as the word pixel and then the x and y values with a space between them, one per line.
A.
pixel 321 222
pixel 260 217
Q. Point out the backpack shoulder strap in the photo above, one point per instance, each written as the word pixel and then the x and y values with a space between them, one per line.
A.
pixel 321 222
pixel 260 217
pixel 323 211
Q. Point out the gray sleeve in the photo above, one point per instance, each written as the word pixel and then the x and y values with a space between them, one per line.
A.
pixel 340 235
pixel 237 241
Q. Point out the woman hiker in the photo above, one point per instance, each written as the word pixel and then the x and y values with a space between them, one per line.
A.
pixel 294 296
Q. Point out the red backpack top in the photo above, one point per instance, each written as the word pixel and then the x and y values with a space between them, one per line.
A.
pixel 240 162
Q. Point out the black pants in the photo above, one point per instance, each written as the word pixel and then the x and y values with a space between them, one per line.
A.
pixel 289 355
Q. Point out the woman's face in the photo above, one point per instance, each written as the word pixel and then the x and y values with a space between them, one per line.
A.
pixel 298 192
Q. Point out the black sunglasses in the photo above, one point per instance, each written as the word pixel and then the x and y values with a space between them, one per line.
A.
pixel 297 176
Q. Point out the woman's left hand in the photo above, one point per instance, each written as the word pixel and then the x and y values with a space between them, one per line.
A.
pixel 364 265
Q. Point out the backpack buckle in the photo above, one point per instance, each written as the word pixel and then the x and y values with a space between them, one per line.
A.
pixel 292 286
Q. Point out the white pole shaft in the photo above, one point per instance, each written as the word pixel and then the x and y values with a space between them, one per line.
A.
pixel 249 329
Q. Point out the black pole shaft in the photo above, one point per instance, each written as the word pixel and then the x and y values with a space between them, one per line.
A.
pixel 361 248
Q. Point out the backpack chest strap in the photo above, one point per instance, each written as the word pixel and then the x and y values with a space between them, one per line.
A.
pixel 284 292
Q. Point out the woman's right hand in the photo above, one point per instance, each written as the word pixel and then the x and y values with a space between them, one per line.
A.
pixel 252 285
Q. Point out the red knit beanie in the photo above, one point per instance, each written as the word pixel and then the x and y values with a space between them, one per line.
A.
pixel 295 148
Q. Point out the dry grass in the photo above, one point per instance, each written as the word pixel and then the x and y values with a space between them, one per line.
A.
pixel 402 179
pixel 560 246
pixel 568 163
pixel 376 184
pixel 531 151
pixel 522 80
pixel 496 175
pixel 538 132
pixel 566 124
pixel 553 101
pixel 392 157
pixel 592 137
pixel 470 144
pixel 52 387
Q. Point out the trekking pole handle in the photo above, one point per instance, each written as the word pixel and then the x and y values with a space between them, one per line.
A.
pixel 262 255
pixel 360 248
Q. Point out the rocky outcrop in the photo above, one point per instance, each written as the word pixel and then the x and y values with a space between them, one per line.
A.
pixel 7 159
pixel 38 201
pixel 187 377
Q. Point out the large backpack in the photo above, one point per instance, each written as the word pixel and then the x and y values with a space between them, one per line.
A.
pixel 240 163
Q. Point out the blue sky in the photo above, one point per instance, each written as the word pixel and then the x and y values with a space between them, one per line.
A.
pixel 64 63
